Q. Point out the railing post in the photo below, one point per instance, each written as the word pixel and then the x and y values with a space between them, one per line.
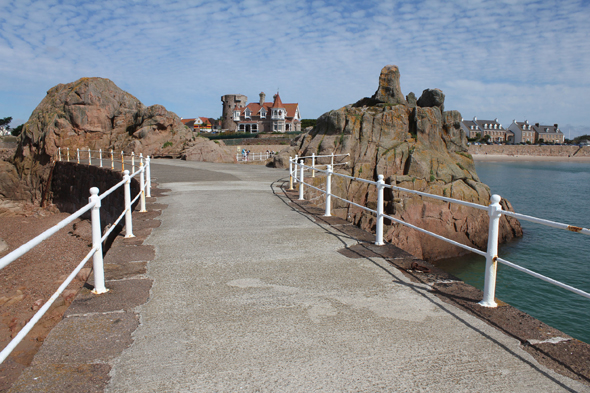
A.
pixel 312 164
pixel 148 175
pixel 89 157
pixel 301 181
pixel 295 161
pixel 332 159
pixel 489 289
pixel 290 173
pixel 68 154
pixel 112 160
pixel 132 162
pixel 100 156
pixel 122 162
pixel 128 220
pixel 142 187
pixel 59 154
pixel 379 228
pixel 328 212
pixel 97 262
pixel 78 154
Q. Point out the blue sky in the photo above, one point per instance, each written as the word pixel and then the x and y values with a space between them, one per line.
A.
pixel 508 59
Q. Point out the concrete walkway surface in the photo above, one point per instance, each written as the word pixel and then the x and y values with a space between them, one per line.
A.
pixel 251 295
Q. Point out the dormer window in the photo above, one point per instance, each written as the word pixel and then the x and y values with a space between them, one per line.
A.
pixel 263 114
pixel 236 115
pixel 247 113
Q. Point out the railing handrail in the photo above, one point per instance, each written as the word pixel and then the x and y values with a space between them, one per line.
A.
pixel 97 239
pixel 253 156
pixel 86 154
pixel 494 210
pixel 325 155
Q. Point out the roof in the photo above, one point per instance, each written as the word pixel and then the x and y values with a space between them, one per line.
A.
pixel 255 107
pixel 482 124
pixel 546 129
pixel 277 101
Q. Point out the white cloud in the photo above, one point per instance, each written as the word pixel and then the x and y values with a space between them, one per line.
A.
pixel 520 54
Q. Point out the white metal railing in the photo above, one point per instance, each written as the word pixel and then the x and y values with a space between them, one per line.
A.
pixel 85 156
pixel 314 164
pixel 93 205
pixel 297 172
pixel 245 157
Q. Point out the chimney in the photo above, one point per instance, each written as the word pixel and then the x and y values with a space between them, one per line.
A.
pixel 536 124
pixel 555 125
pixel 262 98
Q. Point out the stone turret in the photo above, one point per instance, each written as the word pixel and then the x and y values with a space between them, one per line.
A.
pixel 230 102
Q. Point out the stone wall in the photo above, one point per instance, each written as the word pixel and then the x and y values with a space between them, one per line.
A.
pixel 70 189
pixel 531 150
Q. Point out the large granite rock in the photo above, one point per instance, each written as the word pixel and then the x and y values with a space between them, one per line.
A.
pixel 208 151
pixel 90 113
pixel 417 148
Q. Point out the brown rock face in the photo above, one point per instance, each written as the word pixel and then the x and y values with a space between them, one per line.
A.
pixel 417 148
pixel 389 90
pixel 208 151
pixel 89 113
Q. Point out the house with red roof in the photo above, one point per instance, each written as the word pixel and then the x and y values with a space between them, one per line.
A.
pixel 261 116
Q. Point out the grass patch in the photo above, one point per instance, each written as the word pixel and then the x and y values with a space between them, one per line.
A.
pixel 466 155
pixel 167 144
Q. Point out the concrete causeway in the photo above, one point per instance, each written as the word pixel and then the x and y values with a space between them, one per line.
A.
pixel 251 295
pixel 240 289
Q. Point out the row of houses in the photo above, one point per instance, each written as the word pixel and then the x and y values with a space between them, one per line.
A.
pixel 518 132
pixel 202 124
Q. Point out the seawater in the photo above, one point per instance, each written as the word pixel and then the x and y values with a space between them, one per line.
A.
pixel 557 191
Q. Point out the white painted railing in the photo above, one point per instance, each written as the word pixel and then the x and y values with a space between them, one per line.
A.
pixel 93 205
pixel 85 156
pixel 253 156
pixel 297 175
pixel 314 163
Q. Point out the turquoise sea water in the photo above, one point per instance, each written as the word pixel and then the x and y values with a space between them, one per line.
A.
pixel 557 191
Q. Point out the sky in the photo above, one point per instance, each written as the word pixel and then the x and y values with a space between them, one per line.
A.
pixel 505 59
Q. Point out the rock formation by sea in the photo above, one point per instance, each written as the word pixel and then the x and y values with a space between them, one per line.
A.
pixel 93 113
pixel 415 144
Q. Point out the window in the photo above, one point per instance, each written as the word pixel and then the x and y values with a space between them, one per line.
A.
pixel 263 114
pixel 247 113
pixel 254 127
pixel 242 127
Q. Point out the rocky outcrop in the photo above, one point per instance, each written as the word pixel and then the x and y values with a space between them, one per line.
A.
pixel 209 151
pixel 419 148
pixel 91 113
